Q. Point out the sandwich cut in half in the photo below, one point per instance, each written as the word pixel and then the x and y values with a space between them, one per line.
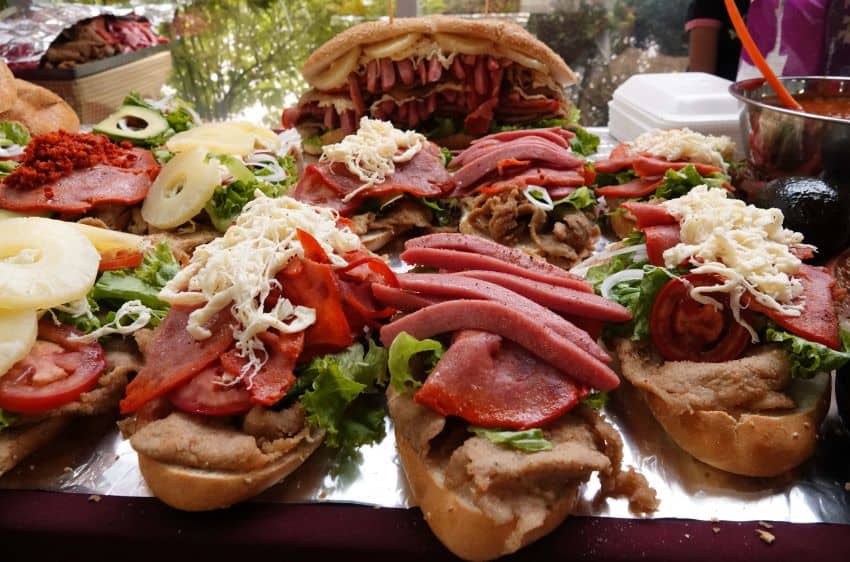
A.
pixel 454 78
pixel 490 394
pixel 733 337
pixel 261 358
pixel 67 306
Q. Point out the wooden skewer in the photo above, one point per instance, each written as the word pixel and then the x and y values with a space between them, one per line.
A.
pixel 486 7
pixel 390 10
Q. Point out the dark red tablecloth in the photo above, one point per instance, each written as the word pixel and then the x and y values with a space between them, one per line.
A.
pixel 34 525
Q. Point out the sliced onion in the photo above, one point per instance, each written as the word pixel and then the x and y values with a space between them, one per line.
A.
pixel 11 151
pixel 337 72
pixel 390 47
pixel 638 249
pixel 546 204
pixel 617 278
pixel 267 162
pixel 451 43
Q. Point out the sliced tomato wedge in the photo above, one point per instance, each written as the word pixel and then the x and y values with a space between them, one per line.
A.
pixel 55 372
pixel 121 260
pixel 660 238
pixel 206 395
pixel 684 330
pixel 312 249
pixel 312 284
pixel 648 214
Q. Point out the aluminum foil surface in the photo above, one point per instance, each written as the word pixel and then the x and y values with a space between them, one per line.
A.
pixel 94 459
pixel 26 33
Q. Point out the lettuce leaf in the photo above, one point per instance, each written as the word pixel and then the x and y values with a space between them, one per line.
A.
pixel 338 391
pixel 402 350
pixel 6 418
pixel 638 296
pixel 581 198
pixel 443 127
pixel 584 143
pixel 809 358
pixel 444 211
pixel 618 178
pixel 447 156
pixel 528 441
pixel 679 182
pixel 598 273
pixel 12 132
pixel 114 288
pixel 596 400
pixel 228 201
pixel 6 167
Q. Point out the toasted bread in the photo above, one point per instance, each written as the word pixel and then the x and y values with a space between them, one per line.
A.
pixel 40 110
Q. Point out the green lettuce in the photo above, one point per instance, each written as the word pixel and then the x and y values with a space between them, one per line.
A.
pixel 6 418
pixel 618 178
pixel 402 350
pixel 340 393
pixel 447 156
pixel 598 273
pixel 228 201
pixel 179 117
pixel 11 133
pixel 529 440
pixel 314 141
pixel 809 358
pixel 444 211
pixel 585 142
pixel 679 182
pixel 596 400
pixel 114 288
pixel 6 167
pixel 443 127
pixel 638 296
pixel 581 198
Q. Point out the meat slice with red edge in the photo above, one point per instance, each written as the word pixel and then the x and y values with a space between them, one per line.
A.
pixel 206 394
pixel 271 383
pixel 174 356
pixel 660 238
pixel 649 214
pixel 326 184
pixel 650 167
pixel 492 382
pixel 638 187
pixel 86 189
pixel 819 321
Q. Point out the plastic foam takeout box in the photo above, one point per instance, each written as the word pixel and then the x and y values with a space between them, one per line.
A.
pixel 698 101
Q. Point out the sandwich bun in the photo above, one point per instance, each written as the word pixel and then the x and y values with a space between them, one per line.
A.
pixel 40 110
pixel 751 444
pixel 460 525
pixel 17 443
pixel 194 489
pixel 8 91
pixel 509 40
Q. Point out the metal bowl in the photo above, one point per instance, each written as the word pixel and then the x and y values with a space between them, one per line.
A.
pixel 782 142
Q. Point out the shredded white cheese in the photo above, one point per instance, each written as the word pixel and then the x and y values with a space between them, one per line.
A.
pixel 685 144
pixel 744 245
pixel 238 270
pixel 373 151
pixel 139 314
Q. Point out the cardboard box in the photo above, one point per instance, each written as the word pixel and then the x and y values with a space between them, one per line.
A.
pixel 96 89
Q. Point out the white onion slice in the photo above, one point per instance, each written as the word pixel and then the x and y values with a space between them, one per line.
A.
pixel 617 278
pixel 11 151
pixel 546 204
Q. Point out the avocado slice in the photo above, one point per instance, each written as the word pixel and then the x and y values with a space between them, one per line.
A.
pixel 135 124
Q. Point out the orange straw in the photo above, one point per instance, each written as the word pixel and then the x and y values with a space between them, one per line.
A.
pixel 753 50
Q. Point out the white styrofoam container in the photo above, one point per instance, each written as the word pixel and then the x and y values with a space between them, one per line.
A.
pixel 696 100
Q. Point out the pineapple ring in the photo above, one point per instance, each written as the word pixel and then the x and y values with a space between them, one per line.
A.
pixel 44 263
pixel 238 138
pixel 461 44
pixel 181 189
pixel 111 242
pixel 18 331
pixel 390 47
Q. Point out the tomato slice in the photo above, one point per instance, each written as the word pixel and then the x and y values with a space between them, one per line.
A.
pixel 55 372
pixel 121 260
pixel 684 330
pixel 312 249
pixel 276 377
pixel 206 396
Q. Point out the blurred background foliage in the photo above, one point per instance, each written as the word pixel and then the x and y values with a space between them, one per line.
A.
pixel 242 57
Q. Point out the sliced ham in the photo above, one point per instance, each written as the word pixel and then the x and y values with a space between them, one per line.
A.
pixel 638 187
pixel 460 287
pixel 648 214
pixel 562 299
pixel 614 164
pixel 497 318
pixel 556 135
pixel 648 167
pixel 401 299
pixel 326 184
pixel 660 238
pixel 83 190
pixel 173 356
pixel 491 382
pixel 543 177
pixel 531 148
pixel 478 121
pixel 522 261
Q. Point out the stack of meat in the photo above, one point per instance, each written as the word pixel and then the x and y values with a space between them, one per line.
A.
pixel 98 38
